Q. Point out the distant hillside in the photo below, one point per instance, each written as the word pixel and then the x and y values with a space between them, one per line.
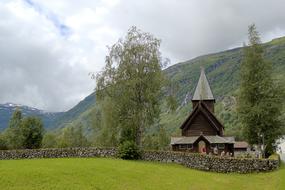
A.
pixel 51 120
pixel 6 111
pixel 77 112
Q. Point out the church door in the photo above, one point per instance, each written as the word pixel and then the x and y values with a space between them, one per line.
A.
pixel 202 147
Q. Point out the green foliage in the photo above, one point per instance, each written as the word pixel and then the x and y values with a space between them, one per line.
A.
pixel 72 136
pixel 275 156
pixel 163 139
pixel 14 133
pixel 32 130
pixel 150 142
pixel 3 142
pixel 23 132
pixel 80 139
pixel 158 140
pixel 49 140
pixel 129 87
pixel 108 135
pixel 260 97
pixel 171 103
pixel 128 150
pixel 65 139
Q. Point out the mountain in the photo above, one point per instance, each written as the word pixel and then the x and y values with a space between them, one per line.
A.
pixel 6 111
pixel 51 120
pixel 222 70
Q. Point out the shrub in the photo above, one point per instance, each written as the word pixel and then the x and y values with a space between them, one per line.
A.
pixel 275 156
pixel 128 150
pixel 3 143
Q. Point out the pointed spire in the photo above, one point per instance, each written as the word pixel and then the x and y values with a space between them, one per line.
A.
pixel 203 90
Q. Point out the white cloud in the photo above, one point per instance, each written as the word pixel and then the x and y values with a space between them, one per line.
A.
pixel 47 48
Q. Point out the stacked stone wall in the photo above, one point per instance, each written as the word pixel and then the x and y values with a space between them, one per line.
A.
pixel 191 160
pixel 213 163
pixel 57 153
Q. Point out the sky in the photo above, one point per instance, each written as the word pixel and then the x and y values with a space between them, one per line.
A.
pixel 48 48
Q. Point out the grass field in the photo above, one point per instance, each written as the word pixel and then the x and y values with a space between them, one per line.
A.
pixel 101 174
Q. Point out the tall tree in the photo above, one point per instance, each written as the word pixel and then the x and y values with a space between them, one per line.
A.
pixel 66 137
pixel 163 139
pixel 132 80
pixel 32 130
pixel 260 97
pixel 72 136
pixel 79 138
pixel 108 134
pixel 14 133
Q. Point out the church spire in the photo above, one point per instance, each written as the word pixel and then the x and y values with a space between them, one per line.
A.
pixel 203 90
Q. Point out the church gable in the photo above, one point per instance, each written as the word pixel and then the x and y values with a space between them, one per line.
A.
pixel 201 120
pixel 199 125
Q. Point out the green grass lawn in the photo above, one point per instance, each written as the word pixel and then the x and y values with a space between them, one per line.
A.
pixel 101 173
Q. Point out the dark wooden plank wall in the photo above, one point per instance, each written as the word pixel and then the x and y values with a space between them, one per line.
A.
pixel 228 148
pixel 200 124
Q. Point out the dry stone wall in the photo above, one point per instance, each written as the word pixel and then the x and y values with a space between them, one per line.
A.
pixel 57 153
pixel 213 163
pixel 191 160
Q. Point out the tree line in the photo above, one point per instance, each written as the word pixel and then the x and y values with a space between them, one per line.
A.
pixel 22 133
pixel 28 133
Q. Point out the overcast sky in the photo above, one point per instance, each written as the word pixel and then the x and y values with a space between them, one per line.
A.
pixel 48 47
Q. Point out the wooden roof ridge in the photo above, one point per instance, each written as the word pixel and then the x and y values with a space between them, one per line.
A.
pixel 206 112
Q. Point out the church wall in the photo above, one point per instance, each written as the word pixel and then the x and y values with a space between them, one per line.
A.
pixel 200 124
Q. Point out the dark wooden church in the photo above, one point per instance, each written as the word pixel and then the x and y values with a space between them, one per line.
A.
pixel 202 131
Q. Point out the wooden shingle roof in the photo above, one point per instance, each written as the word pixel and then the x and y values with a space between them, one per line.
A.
pixel 211 139
pixel 203 90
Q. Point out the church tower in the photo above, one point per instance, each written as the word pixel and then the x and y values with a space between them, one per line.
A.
pixel 203 93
